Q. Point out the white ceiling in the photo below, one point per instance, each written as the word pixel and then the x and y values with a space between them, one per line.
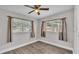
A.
pixel 24 10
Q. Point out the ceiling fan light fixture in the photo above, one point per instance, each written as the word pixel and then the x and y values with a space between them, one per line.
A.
pixel 36 10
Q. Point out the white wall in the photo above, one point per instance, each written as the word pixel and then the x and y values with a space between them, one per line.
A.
pixel 3 29
pixel 53 38
pixel 76 29
pixel 21 36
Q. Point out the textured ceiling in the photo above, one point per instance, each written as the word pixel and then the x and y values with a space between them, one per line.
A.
pixel 20 9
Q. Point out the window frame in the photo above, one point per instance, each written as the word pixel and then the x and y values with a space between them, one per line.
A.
pixel 57 25
pixel 9 28
pixel 23 20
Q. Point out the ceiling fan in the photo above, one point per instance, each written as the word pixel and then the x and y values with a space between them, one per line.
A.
pixel 36 8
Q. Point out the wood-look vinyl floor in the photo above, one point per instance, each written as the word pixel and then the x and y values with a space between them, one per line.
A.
pixel 39 48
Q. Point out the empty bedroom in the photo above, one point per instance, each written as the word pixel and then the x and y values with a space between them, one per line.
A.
pixel 37 29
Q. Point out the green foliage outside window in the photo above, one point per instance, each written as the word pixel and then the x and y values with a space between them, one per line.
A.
pixel 19 25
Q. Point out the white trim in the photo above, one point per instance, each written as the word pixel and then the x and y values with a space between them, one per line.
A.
pixel 18 46
pixel 14 47
pixel 61 46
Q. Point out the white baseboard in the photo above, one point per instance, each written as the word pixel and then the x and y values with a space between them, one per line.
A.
pixel 21 45
pixel 65 47
pixel 14 47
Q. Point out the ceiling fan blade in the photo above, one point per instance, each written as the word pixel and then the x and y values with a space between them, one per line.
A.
pixel 31 11
pixel 37 6
pixel 44 8
pixel 38 13
pixel 29 6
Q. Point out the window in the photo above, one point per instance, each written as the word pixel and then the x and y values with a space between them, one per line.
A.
pixel 19 25
pixel 54 26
